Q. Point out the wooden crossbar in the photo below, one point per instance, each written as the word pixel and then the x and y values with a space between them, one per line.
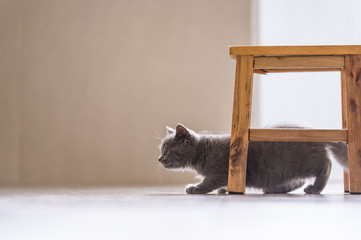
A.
pixel 297 135
pixel 299 62
pixel 280 64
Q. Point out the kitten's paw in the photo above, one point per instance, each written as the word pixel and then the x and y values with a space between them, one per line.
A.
pixel 308 189
pixel 311 190
pixel 191 190
pixel 222 191
pixel 196 190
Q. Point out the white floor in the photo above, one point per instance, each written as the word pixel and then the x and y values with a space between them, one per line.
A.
pixel 167 213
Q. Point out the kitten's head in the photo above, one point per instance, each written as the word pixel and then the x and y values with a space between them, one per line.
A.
pixel 178 147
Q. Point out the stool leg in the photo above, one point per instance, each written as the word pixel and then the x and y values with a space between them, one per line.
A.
pixel 240 124
pixel 353 89
pixel 346 180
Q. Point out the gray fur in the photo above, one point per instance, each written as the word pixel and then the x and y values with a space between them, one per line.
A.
pixel 274 167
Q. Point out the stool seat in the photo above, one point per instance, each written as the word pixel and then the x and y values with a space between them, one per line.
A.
pixel 268 59
pixel 295 50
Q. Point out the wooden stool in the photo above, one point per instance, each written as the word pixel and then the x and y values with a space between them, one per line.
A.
pixel 263 60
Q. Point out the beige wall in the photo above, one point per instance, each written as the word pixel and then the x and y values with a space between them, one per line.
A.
pixel 86 87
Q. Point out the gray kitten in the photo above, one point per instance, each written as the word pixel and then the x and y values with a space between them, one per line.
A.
pixel 274 167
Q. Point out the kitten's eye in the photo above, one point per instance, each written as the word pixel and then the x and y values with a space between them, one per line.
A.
pixel 166 152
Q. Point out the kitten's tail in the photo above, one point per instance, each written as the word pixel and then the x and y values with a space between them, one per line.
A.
pixel 339 151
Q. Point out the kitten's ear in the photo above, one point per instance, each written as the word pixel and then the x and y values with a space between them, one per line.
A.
pixel 181 132
pixel 170 130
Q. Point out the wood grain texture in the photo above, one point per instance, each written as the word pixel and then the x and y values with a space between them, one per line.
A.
pixel 298 135
pixel 295 50
pixel 346 180
pixel 353 81
pixel 265 71
pixel 240 124
pixel 343 98
pixel 299 62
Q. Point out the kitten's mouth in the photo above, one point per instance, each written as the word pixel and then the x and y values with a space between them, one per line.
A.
pixel 166 165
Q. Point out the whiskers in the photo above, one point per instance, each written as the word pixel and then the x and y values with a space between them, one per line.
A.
pixel 216 82
pixel 157 136
pixel 162 174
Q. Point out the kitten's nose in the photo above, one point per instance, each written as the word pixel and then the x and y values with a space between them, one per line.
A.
pixel 160 159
